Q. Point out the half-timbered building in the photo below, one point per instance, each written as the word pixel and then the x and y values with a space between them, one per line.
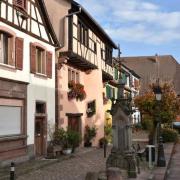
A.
pixel 27 78
pixel 85 62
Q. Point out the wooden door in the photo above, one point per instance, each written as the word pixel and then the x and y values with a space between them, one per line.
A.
pixel 74 124
pixel 39 136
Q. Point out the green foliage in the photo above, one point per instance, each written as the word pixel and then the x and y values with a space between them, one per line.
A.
pixel 59 136
pixel 74 138
pixel 137 127
pixel 108 132
pixel 102 141
pixel 90 133
pixel 66 139
pixel 166 110
pixel 169 135
pixel 147 123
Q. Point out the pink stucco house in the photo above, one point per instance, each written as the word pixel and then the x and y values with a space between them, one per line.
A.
pixel 85 58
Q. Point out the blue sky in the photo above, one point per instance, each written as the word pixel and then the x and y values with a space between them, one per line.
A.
pixel 141 27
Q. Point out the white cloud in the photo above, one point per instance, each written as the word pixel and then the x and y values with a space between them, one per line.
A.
pixel 135 20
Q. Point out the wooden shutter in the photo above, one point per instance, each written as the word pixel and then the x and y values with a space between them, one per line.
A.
pixel 11 60
pixel 32 58
pixel 19 53
pixel 49 64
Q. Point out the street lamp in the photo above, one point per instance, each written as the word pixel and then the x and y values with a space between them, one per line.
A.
pixel 161 162
pixel 158 92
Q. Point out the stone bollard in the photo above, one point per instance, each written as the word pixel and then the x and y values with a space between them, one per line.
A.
pixel 114 174
pixel 12 171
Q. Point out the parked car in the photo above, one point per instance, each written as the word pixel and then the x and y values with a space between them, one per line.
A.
pixel 176 125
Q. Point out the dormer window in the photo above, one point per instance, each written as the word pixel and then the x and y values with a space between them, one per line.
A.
pixel 20 3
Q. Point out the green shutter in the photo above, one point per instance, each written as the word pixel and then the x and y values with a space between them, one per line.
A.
pixel 124 78
pixel 108 92
pixel 116 74
pixel 114 93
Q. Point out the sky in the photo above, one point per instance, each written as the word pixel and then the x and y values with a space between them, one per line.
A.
pixel 141 27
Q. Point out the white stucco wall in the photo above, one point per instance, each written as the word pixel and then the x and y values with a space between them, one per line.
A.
pixel 39 88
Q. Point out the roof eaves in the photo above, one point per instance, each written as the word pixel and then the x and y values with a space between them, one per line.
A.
pixel 96 24
pixel 48 22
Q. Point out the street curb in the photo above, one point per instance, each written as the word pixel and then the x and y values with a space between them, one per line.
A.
pixel 162 172
pixel 168 165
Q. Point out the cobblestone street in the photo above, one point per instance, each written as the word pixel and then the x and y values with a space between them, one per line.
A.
pixel 74 168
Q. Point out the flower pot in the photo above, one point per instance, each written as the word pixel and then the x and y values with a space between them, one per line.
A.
pixel 67 151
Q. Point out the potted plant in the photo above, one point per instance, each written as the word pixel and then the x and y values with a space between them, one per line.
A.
pixel 67 149
pixel 74 139
pixel 90 133
pixel 76 91
pixel 61 139
pixel 102 141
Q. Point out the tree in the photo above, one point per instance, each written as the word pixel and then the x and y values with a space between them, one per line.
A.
pixel 167 110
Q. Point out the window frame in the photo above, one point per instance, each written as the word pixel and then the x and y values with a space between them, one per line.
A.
pixel 11 46
pixel 76 78
pixel 108 54
pixel 103 54
pixel 43 58
pixel 94 49
pixel 82 33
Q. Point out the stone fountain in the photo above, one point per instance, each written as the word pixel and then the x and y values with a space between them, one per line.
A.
pixel 122 155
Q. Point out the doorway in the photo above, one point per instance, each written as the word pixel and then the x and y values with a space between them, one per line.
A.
pixel 74 122
pixel 39 137
pixel 40 129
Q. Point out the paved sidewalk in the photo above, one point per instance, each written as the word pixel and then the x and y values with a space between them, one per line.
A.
pixel 74 168
pixel 174 168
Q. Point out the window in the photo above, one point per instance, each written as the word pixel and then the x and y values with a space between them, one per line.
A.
pixel 20 3
pixel 6 49
pixel 73 76
pixel 82 35
pixel 108 55
pixel 91 108
pixel 40 108
pixel 102 54
pixel 77 77
pixel 92 45
pixel 10 121
pixel 40 60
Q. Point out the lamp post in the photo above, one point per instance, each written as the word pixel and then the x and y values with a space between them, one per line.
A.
pixel 161 162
